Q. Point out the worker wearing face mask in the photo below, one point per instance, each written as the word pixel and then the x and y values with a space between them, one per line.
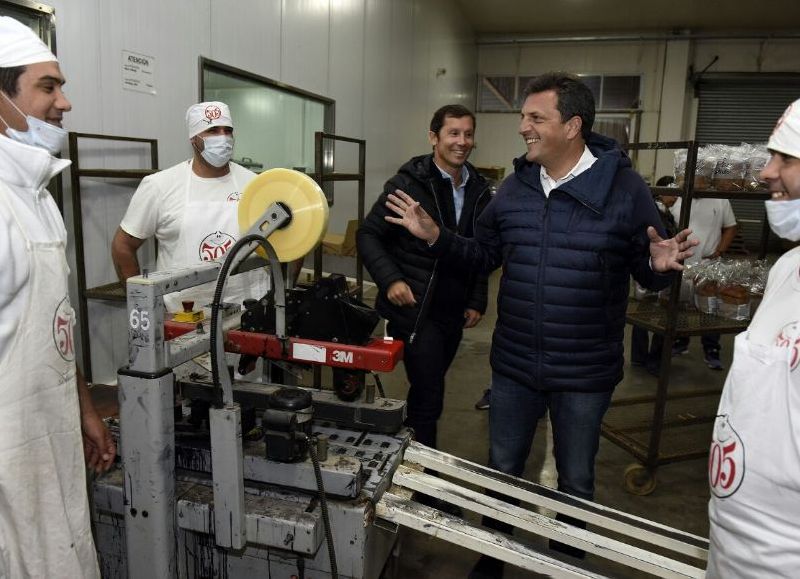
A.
pixel 754 462
pixel 192 211
pixel 49 428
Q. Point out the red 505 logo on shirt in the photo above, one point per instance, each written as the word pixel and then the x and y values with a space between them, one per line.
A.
pixel 789 337
pixel 215 245
pixel 726 459
pixel 63 318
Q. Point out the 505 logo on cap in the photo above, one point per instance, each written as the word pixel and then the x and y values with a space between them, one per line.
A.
pixel 213 112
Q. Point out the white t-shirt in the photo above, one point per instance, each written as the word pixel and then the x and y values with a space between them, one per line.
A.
pixel 159 208
pixel 777 320
pixel 24 172
pixel 707 220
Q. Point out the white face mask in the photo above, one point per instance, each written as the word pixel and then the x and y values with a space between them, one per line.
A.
pixel 39 134
pixel 784 218
pixel 217 150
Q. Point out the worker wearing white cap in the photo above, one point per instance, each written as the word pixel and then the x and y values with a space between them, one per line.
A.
pixel 47 420
pixel 192 210
pixel 754 466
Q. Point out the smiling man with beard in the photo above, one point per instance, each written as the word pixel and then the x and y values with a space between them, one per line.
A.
pixel 754 459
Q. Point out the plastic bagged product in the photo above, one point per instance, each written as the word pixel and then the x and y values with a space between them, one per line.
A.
pixel 734 295
pixel 704 169
pixel 705 287
pixel 730 168
pixel 757 159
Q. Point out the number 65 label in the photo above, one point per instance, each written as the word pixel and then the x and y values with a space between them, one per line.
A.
pixel 139 320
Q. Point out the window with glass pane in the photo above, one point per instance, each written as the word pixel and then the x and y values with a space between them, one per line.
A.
pixel 275 124
pixel 594 83
pixel 621 92
pixel 496 94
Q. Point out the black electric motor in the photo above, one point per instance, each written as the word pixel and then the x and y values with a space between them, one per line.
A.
pixel 287 424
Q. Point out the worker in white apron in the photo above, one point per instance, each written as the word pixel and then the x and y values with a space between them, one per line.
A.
pixel 47 422
pixel 754 462
pixel 209 228
pixel 192 210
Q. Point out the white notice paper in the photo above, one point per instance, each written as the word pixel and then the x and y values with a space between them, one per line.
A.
pixel 308 352
pixel 138 72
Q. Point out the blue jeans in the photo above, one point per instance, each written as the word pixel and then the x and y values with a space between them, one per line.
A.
pixel 575 416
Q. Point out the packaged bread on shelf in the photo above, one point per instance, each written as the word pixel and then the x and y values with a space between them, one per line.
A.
pixel 704 169
pixel 730 167
pixel 757 159
pixel 734 302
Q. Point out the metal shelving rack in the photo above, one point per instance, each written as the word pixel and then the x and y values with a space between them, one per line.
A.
pixel 322 177
pixel 671 322
pixel 112 291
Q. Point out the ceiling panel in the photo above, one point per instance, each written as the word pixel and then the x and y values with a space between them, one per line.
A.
pixel 523 17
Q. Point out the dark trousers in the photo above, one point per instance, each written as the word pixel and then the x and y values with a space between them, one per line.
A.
pixel 427 360
pixel 575 417
pixel 709 341
pixel 646 351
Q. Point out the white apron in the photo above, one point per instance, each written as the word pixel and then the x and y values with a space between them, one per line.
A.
pixel 208 230
pixel 44 512
pixel 754 467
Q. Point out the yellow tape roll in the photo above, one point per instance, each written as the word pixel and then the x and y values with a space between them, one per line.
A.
pixel 304 199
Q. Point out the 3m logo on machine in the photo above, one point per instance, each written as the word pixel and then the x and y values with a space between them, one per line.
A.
pixel 212 112
pixel 63 319
pixel 726 466
pixel 215 245
pixel 342 357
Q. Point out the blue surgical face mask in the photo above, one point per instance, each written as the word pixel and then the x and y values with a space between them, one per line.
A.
pixel 217 150
pixel 39 134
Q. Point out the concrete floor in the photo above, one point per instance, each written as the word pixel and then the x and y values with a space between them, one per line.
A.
pixel 679 500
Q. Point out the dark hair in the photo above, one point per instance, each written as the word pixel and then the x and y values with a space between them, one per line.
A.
pixel 665 181
pixel 574 97
pixel 9 79
pixel 455 111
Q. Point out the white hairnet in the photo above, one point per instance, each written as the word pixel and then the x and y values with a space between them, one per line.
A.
pixel 786 135
pixel 202 116
pixel 20 46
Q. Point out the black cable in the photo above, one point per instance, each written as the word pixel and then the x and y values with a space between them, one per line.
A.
pixel 379 384
pixel 215 303
pixel 323 502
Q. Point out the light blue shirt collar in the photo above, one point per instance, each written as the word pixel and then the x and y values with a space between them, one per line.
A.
pixel 458 192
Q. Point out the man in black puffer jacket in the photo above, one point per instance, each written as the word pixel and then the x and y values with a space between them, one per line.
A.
pixel 569 227
pixel 427 302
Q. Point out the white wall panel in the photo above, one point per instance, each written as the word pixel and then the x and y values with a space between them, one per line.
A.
pixel 305 44
pixel 379 113
pixel 346 87
pixel 247 34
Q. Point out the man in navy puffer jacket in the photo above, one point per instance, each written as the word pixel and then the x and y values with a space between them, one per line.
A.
pixel 569 227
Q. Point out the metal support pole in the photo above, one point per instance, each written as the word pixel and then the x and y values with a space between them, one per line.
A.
pixel 227 468
pixel 147 429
